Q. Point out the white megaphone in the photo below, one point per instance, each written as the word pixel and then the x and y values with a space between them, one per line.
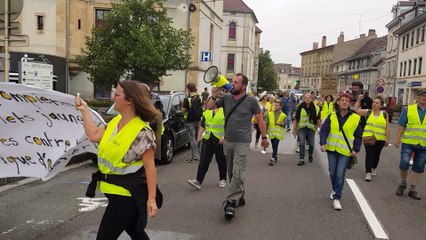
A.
pixel 214 78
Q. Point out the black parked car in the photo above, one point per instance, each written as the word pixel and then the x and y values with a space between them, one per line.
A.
pixel 175 134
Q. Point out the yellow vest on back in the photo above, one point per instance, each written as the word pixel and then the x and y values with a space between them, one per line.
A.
pixel 112 150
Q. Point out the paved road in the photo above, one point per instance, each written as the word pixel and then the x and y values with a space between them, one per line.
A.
pixel 283 202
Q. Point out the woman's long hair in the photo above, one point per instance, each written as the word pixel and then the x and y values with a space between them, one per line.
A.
pixel 140 97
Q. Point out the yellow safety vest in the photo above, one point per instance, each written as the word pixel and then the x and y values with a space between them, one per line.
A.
pixel 327 108
pixel 112 150
pixel 214 124
pixel 376 126
pixel 335 140
pixel 304 120
pixel 415 130
pixel 275 131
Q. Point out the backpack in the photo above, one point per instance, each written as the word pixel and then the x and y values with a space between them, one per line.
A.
pixel 195 110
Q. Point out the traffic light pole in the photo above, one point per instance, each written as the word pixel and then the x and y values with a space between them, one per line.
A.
pixel 6 41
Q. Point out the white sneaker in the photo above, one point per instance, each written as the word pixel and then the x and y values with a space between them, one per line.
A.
pixel 297 149
pixel 332 195
pixel 373 172
pixel 337 205
pixel 368 177
pixel 222 183
pixel 195 183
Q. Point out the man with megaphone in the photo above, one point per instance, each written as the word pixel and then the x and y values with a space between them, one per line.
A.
pixel 239 109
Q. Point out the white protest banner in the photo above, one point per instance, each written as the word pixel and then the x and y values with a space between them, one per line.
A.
pixel 40 130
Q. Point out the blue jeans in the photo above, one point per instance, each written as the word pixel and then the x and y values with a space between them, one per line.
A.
pixel 337 168
pixel 418 161
pixel 288 118
pixel 274 143
pixel 306 133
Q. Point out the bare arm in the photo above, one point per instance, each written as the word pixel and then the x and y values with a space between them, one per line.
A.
pixel 93 132
pixel 387 131
pixel 399 133
pixel 151 179
pixel 362 112
pixel 200 134
pixel 211 102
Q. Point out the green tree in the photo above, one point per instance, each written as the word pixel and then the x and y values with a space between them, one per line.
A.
pixel 267 79
pixel 136 41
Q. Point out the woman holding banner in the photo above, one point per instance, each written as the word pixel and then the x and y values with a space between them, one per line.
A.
pixel 127 174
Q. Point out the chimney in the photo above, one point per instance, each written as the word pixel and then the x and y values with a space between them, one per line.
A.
pixel 372 33
pixel 362 35
pixel 341 38
pixel 315 45
pixel 324 41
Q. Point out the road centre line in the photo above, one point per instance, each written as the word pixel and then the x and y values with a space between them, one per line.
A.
pixel 374 223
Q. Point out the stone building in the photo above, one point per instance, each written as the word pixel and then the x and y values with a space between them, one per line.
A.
pixel 287 76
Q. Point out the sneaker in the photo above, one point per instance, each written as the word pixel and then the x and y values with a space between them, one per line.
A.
pixel 194 160
pixel 222 183
pixel 229 209
pixel 298 149
pixel 368 177
pixel 288 129
pixel 400 190
pixel 272 161
pixel 337 205
pixel 373 172
pixel 332 195
pixel 311 159
pixel 256 144
pixel 301 162
pixel 413 194
pixel 195 183
pixel 189 160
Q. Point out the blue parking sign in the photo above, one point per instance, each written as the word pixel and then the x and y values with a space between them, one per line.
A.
pixel 205 56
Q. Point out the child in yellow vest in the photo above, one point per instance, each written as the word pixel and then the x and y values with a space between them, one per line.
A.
pixel 275 123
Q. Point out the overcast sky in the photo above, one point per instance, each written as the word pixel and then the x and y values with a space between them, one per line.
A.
pixel 291 26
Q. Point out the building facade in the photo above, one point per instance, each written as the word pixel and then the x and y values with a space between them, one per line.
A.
pixel 410 72
pixel 315 63
pixel 57 29
pixel 240 41
pixel 287 76
pixel 366 66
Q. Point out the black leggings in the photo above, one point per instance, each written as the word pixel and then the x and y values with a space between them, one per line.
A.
pixel 256 126
pixel 206 156
pixel 120 215
pixel 372 155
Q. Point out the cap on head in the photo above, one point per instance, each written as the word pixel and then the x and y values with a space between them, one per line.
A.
pixel 421 91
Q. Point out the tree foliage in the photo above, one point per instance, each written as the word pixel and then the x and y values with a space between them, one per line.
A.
pixel 267 79
pixel 136 41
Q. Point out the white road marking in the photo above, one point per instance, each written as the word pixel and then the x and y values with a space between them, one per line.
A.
pixel 91 204
pixel 374 223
